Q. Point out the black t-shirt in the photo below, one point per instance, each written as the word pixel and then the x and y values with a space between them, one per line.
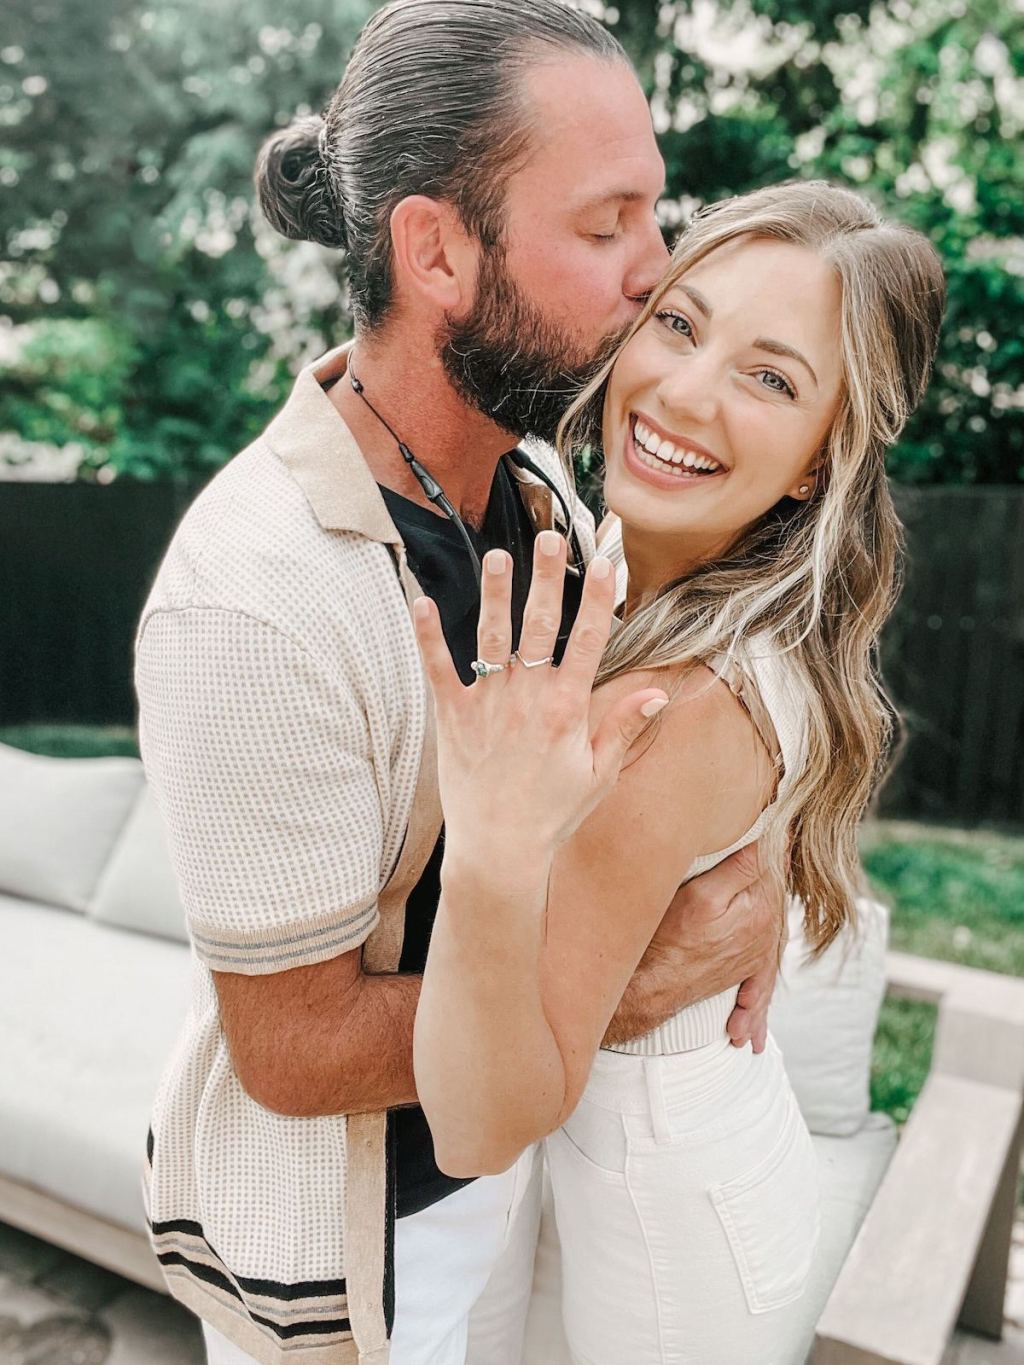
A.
pixel 439 559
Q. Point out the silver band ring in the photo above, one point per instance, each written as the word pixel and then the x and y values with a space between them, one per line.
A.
pixel 483 669
pixel 536 663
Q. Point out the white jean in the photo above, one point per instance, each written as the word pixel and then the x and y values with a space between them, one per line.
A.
pixel 444 1258
pixel 686 1198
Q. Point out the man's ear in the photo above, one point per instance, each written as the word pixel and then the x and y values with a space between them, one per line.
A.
pixel 435 258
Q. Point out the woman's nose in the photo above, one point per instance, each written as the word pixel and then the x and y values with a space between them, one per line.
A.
pixel 690 390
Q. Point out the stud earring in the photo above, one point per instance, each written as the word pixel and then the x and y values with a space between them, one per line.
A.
pixel 805 488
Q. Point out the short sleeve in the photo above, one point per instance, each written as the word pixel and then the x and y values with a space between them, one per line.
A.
pixel 260 760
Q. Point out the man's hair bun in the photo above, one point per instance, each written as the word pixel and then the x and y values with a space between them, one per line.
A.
pixel 295 185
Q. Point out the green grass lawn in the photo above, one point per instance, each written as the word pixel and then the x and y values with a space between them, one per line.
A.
pixel 955 894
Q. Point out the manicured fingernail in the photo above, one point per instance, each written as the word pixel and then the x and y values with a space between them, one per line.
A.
pixel 549 542
pixel 652 707
pixel 421 608
pixel 600 567
pixel 495 561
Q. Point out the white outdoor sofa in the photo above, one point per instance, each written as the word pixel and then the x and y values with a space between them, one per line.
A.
pixel 94 976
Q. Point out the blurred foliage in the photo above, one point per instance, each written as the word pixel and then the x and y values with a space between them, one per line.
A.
pixel 954 895
pixel 148 315
pixel 902 1055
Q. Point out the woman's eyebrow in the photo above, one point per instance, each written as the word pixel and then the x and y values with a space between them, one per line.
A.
pixel 698 299
pixel 780 348
pixel 762 343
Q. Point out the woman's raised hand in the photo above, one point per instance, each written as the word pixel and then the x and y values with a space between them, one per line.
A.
pixel 518 766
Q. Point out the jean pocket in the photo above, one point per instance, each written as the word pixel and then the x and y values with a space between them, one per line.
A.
pixel 771 1215
pixel 586 1148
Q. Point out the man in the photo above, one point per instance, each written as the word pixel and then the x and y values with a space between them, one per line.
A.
pixel 491 170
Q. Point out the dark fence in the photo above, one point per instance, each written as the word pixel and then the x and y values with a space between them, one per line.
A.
pixel 76 563
pixel 954 657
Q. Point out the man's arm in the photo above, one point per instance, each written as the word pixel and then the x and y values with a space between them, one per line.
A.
pixel 330 1039
pixel 324 1039
pixel 722 927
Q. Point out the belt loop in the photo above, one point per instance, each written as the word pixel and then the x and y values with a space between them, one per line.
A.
pixel 656 1098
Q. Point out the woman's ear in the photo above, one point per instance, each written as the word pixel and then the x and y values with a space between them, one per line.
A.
pixel 435 258
pixel 806 485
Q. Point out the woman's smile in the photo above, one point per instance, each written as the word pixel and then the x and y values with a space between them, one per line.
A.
pixel 665 459
pixel 692 401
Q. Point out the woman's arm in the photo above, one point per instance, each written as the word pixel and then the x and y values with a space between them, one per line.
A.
pixel 530 955
pixel 519 768
pixel 523 976
pixel 697 787
pixel 489 1072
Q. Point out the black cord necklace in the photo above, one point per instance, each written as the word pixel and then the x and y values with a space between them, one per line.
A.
pixel 431 488
pixel 436 494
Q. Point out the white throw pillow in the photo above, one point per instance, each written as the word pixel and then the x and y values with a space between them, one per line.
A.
pixel 824 1014
pixel 138 888
pixel 59 820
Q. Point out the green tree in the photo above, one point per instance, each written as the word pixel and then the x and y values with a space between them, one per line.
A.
pixel 163 318
pixel 919 105
pixel 148 315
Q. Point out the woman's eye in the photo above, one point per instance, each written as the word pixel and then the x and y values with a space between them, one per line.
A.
pixel 604 236
pixel 781 383
pixel 671 319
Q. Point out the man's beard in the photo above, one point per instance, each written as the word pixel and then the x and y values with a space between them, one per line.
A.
pixel 509 362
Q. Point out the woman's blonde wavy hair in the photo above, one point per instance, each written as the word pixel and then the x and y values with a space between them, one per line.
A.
pixel 816 578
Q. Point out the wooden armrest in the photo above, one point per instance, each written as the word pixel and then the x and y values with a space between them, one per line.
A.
pixel 934 1246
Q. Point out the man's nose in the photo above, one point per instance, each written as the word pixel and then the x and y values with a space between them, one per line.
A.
pixel 650 264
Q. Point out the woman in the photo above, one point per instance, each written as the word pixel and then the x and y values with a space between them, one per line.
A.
pixel 745 420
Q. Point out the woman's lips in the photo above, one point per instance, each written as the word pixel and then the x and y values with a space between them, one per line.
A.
pixel 672 477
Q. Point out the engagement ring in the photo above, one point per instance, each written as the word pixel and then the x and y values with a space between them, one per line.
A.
pixel 483 669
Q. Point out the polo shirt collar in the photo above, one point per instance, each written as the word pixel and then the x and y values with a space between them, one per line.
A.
pixel 312 438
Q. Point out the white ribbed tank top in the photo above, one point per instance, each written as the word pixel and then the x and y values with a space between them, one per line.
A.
pixel 762 668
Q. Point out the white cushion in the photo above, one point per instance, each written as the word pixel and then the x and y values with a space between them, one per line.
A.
pixel 823 1017
pixel 138 889
pixel 59 819
pixel 88 1019
pixel 850 1170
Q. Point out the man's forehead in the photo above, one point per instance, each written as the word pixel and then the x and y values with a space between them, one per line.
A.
pixel 593 110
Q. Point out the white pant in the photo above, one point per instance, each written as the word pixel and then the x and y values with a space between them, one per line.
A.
pixel 444 1258
pixel 686 1197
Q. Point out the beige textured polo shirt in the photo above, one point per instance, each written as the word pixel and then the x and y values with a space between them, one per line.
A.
pixel 286 733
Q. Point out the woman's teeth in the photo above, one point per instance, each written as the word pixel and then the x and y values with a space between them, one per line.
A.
pixel 657 452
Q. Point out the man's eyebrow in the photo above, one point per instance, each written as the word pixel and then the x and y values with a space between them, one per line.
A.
pixel 780 348
pixel 599 201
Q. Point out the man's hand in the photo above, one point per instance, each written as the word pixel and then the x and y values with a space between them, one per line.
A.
pixel 723 927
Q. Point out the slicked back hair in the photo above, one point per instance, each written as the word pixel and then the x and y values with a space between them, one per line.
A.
pixel 431 103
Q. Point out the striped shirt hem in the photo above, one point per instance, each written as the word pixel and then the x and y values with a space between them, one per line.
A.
pixel 316 1309
pixel 333 935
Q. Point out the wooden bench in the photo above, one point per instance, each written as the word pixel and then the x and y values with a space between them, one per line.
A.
pixel 933 1251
